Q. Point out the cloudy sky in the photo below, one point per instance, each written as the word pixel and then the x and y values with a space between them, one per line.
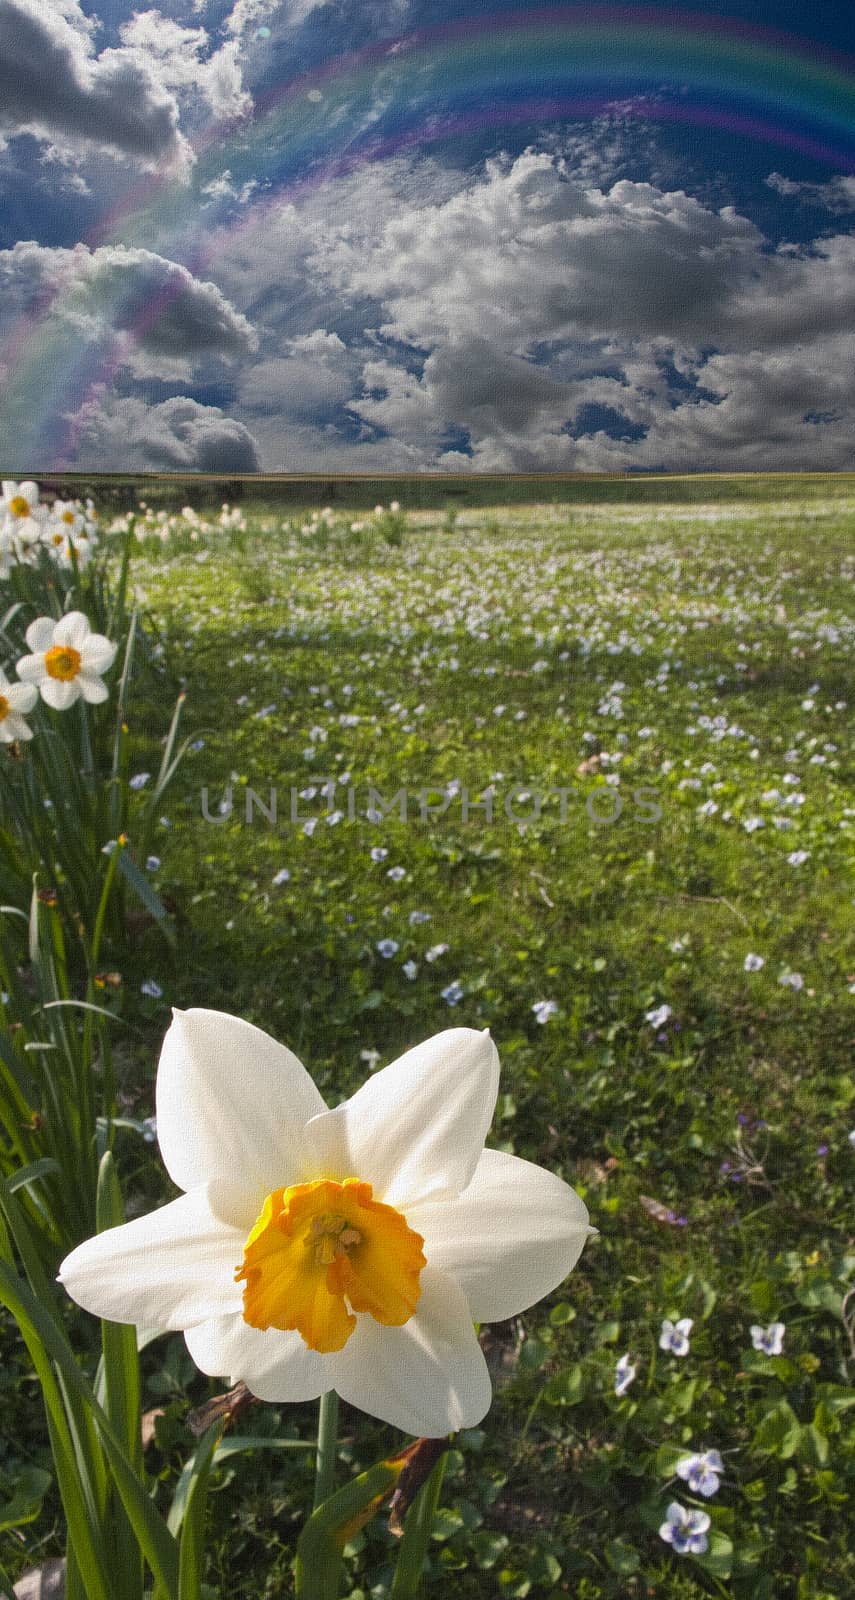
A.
pixel 426 235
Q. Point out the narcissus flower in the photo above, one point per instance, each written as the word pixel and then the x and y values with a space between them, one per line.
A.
pixel 349 1249
pixel 16 699
pixel 67 660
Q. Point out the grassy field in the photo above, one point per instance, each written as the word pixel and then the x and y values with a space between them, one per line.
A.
pixel 658 698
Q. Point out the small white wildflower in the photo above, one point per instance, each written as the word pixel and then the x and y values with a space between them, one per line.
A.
pixel 702 1472
pixel 544 1009
pixel 768 1340
pixel 685 1531
pixel 624 1375
pixel 674 1337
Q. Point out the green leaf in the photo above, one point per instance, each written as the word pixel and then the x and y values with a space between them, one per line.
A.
pixel 447 1522
pixel 718 1559
pixel 420 1525
pixel 487 1547
pixel 318 1565
pixel 191 1553
pixel 258 1441
pixel 515 1585
pixel 32 1173
pixel 813 1446
pixel 821 1297
pixel 47 1343
pixel 31 1486
pixel 779 1432
pixel 119 1340
pixel 567 1388
pixel 622 1557
pixel 149 896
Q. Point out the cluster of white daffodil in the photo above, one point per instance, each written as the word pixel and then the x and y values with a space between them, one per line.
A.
pixel 65 664
pixel 169 525
pixel 67 529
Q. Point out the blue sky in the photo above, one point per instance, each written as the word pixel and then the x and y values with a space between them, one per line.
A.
pixel 390 235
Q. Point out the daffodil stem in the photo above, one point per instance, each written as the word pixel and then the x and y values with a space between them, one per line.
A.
pixel 327 1445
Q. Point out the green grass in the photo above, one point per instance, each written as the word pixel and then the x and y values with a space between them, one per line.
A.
pixel 733 1115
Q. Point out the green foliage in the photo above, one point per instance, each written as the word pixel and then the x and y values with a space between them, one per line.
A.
pixel 712 1150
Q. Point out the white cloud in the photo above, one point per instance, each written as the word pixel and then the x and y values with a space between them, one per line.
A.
pixel 837 194
pixel 171 316
pixel 525 255
pixel 176 57
pixel 533 297
pixel 248 15
pixel 126 435
pixel 51 84
pixel 303 384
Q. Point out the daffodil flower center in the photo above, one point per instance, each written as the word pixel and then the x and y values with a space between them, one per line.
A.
pixel 62 661
pixel 19 505
pixel 4 708
pixel 321 1252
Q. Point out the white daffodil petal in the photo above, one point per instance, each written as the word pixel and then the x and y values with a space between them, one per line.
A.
pixel 39 635
pixel 96 653
pixel 170 1269
pixel 72 629
pixel 231 1101
pixel 31 669
pixel 509 1239
pixel 59 693
pixel 21 696
pixel 92 688
pixel 428 1377
pixel 415 1130
pixel 274 1365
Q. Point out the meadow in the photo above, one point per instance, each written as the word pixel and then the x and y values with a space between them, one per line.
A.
pixel 575 771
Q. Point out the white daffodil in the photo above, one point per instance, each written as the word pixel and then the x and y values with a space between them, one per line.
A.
pixel 22 516
pixel 349 1249
pixel 69 516
pixel 67 660
pixel 16 699
pixel 20 501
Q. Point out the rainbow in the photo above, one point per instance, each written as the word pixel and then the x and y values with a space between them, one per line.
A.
pixel 484 74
